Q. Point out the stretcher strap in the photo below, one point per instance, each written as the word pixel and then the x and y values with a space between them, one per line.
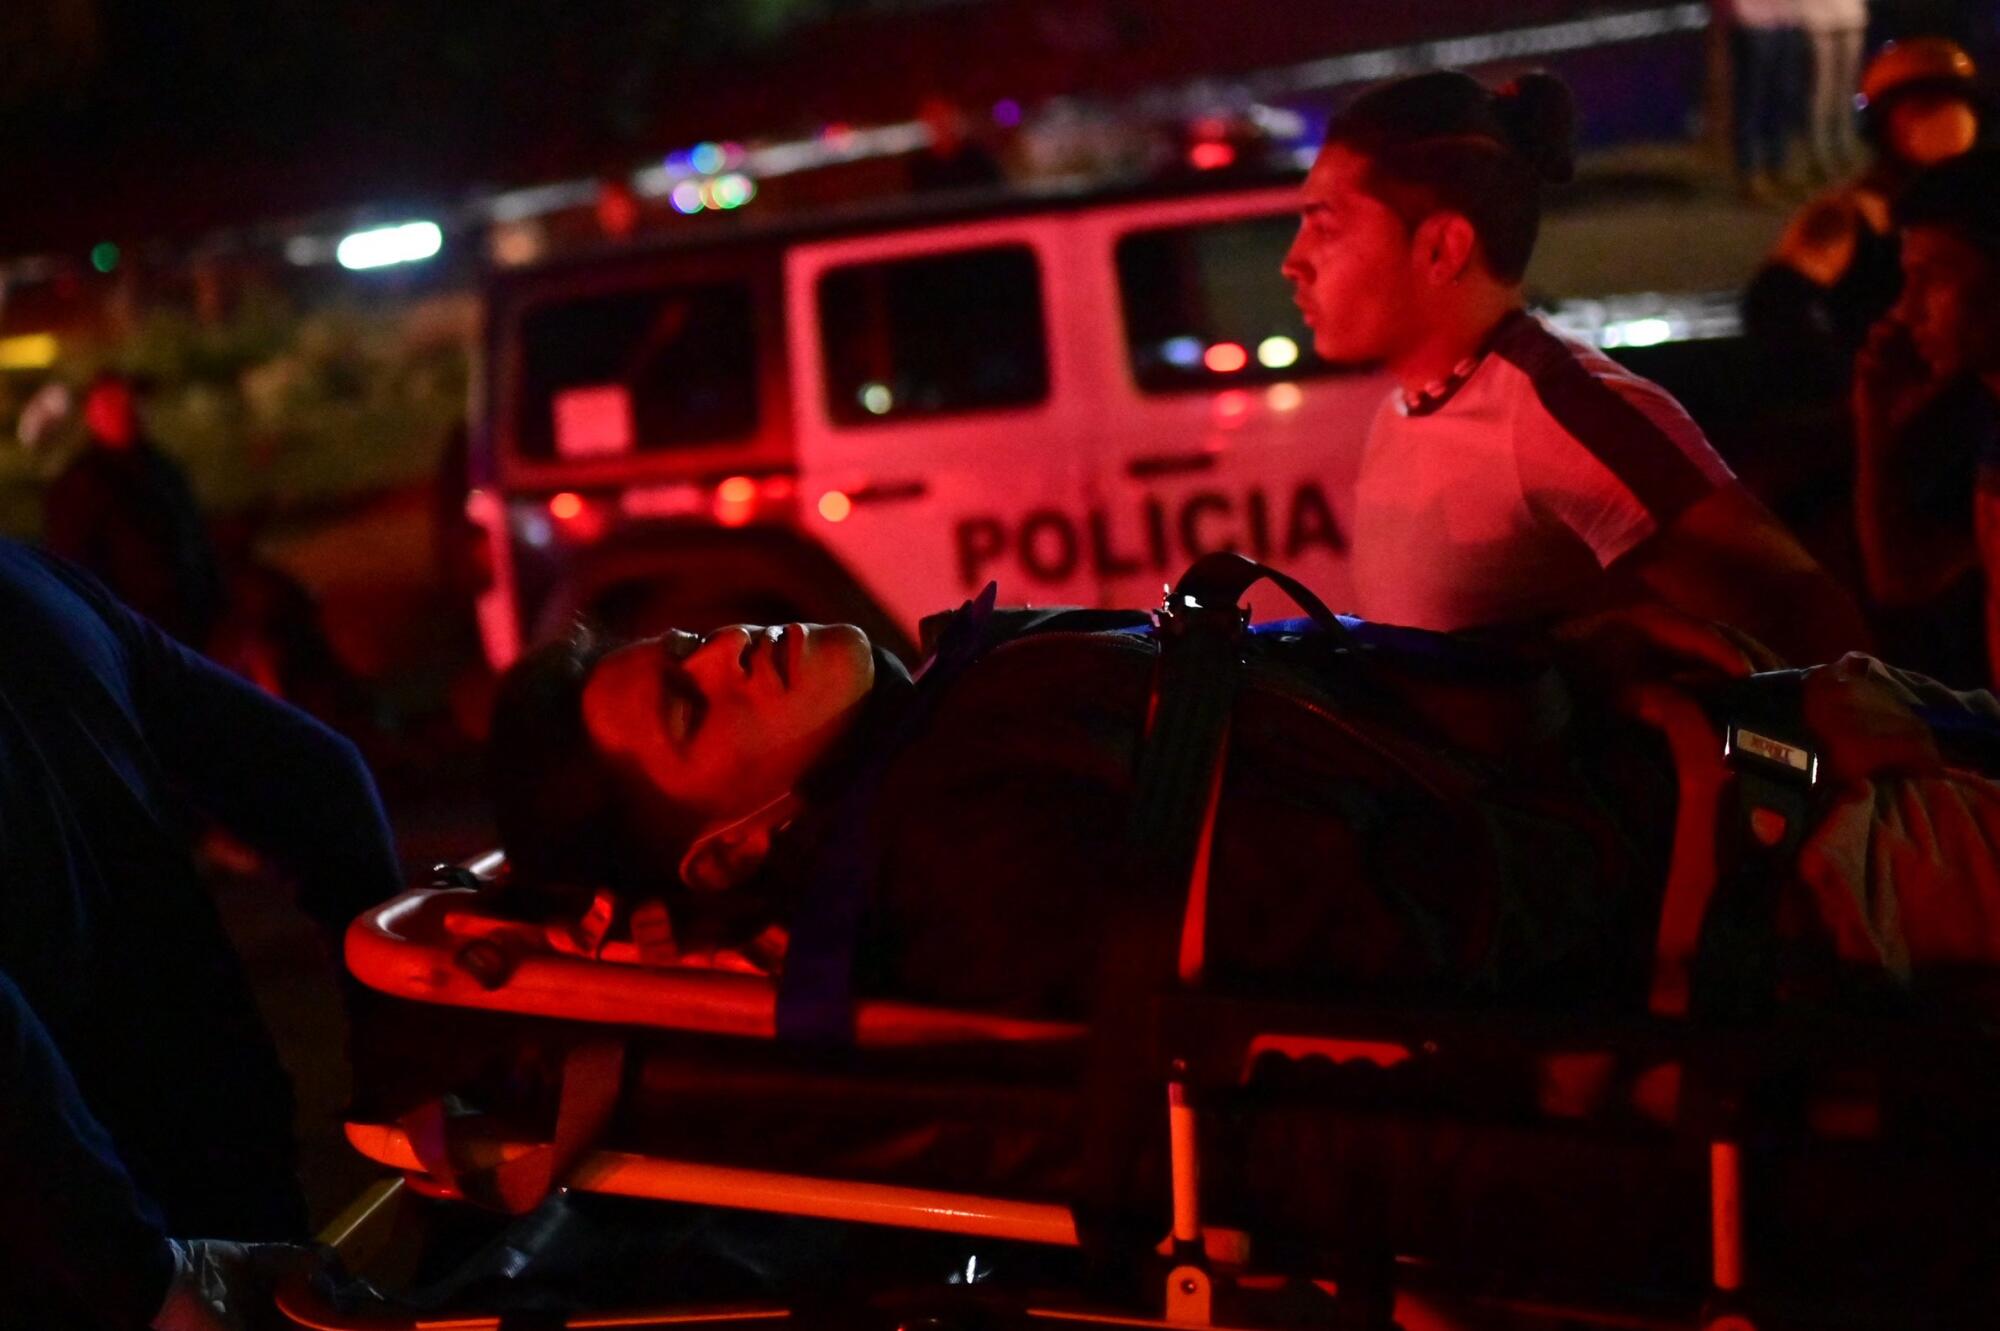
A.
pixel 1742 820
pixel 816 990
pixel 593 1070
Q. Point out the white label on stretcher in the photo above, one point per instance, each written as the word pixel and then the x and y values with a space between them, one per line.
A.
pixel 593 422
pixel 1777 751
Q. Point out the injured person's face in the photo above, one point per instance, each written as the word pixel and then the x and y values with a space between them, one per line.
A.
pixel 720 726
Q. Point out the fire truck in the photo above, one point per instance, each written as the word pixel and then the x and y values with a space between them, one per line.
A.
pixel 868 417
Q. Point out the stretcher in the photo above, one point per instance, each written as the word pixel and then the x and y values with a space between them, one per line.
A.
pixel 1702 1117
pixel 1216 1160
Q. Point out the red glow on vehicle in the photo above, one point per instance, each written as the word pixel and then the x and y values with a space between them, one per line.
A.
pixel 566 507
pixel 1225 358
pixel 1211 156
pixel 835 506
pixel 736 490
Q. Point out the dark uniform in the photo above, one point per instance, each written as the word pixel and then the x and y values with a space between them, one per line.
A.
pixel 142 1095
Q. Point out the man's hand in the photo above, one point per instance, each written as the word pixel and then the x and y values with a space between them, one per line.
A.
pixel 1892 383
pixel 221 1286
pixel 1863 727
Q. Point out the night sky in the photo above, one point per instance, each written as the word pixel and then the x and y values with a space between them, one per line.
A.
pixel 127 117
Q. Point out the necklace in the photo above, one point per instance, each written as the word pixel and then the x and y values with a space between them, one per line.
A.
pixel 1425 400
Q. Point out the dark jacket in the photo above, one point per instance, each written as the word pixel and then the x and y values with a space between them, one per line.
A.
pixel 142 1090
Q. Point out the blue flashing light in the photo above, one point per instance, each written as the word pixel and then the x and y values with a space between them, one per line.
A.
pixel 707 158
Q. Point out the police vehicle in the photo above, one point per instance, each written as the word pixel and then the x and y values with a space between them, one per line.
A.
pixel 868 418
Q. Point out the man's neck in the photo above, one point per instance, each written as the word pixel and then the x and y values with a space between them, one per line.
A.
pixel 1462 334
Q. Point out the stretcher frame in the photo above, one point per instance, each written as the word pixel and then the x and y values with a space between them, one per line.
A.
pixel 388 949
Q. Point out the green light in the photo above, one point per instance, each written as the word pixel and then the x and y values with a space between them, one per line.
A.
pixel 104 256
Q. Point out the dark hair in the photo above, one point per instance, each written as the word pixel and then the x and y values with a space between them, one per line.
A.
pixel 1443 141
pixel 1962 193
pixel 556 803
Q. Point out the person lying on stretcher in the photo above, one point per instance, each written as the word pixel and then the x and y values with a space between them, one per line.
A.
pixel 1464 821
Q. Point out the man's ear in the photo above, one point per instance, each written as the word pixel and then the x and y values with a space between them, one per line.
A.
pixel 1445 245
pixel 725 856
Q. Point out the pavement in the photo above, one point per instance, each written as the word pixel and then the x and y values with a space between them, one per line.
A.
pixel 1656 217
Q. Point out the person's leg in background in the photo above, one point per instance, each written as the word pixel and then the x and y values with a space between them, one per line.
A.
pixel 1791 78
pixel 1848 44
pixel 1759 60
pixel 1824 106
pixel 1749 63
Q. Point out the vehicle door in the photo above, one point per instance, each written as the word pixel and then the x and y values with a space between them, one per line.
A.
pixel 936 441
pixel 1223 431
pixel 625 395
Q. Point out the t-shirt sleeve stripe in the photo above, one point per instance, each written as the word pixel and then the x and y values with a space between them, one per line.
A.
pixel 1642 451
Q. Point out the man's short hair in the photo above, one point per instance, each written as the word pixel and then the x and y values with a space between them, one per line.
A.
pixel 1443 141
pixel 1961 194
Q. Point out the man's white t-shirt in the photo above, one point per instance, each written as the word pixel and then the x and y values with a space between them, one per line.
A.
pixel 1505 499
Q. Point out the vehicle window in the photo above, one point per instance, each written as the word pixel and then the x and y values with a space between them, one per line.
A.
pixel 1205 307
pixel 931 335
pixel 638 371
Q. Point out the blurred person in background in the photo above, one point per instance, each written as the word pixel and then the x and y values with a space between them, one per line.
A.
pixel 123 509
pixel 1767 54
pixel 953 159
pixel 1836 31
pixel 1834 271
pixel 1515 476
pixel 141 1095
pixel 1927 407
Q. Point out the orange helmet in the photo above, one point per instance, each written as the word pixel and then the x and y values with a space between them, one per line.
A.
pixel 1920 64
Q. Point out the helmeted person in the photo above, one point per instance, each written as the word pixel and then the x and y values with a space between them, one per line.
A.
pixel 1516 474
pixel 140 1095
pixel 1834 270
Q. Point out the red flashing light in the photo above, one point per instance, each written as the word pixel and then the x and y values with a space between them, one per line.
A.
pixel 1211 156
pixel 1225 358
pixel 835 506
pixel 566 507
pixel 736 501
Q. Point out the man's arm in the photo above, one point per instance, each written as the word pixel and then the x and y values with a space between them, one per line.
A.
pixel 283 782
pixel 1725 558
pixel 1908 555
